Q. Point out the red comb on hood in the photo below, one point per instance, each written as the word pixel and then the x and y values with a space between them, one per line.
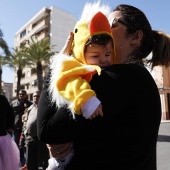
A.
pixel 99 23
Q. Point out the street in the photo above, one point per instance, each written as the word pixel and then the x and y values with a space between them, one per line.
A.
pixel 163 147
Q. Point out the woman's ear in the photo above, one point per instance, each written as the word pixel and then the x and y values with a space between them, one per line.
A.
pixel 137 37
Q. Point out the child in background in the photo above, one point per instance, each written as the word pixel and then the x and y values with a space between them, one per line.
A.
pixel 9 152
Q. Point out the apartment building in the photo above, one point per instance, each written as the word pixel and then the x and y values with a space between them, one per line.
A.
pixel 48 22
pixel 161 76
pixel 165 93
pixel 7 90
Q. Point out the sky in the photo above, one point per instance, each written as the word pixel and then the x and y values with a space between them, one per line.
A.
pixel 16 13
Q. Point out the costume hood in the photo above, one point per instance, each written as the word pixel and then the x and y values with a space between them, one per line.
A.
pixel 92 22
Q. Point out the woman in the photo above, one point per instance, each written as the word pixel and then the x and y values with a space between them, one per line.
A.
pixel 9 153
pixel 126 136
pixel 135 39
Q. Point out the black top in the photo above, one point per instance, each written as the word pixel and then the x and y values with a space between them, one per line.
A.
pixel 125 138
pixel 19 108
pixel 7 116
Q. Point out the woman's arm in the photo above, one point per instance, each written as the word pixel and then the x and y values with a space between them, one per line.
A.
pixel 50 119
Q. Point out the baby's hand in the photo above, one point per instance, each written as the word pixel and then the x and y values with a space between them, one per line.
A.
pixel 97 112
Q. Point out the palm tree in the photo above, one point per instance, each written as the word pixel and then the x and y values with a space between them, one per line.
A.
pixel 5 54
pixel 38 53
pixel 17 61
pixel 2 63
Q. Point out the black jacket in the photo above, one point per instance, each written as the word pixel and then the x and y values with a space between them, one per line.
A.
pixel 125 138
pixel 19 108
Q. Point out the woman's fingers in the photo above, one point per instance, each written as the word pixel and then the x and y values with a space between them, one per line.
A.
pixel 59 151
pixel 68 45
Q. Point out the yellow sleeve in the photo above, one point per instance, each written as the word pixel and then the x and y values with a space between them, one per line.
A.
pixel 78 91
pixel 72 84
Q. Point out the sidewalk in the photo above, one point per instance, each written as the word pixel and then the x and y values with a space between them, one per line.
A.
pixel 163 146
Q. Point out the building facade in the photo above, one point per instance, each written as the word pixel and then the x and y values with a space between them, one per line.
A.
pixel 48 22
pixel 165 93
pixel 7 90
pixel 161 76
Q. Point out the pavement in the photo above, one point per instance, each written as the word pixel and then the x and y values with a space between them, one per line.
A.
pixel 163 146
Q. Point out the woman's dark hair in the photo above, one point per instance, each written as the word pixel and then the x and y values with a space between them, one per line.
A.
pixel 152 41
pixel 137 20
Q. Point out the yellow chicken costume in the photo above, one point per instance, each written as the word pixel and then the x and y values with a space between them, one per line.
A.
pixel 70 75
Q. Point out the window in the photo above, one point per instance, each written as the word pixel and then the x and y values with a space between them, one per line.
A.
pixel 23 34
pixel 33 71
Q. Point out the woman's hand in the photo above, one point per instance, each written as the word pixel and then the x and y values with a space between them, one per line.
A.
pixel 68 45
pixel 60 151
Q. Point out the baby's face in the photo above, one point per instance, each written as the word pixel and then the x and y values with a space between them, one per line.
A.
pixel 99 55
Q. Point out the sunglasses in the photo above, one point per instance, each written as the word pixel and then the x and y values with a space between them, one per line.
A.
pixel 112 20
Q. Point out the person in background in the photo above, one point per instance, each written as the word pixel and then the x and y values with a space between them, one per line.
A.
pixel 19 105
pixel 37 153
pixel 93 52
pixel 9 152
pixel 126 136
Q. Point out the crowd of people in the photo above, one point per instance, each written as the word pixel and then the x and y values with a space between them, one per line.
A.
pixel 100 107
pixel 20 148
pixel 30 139
pixel 19 105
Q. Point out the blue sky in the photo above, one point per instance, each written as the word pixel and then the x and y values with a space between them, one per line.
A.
pixel 16 13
